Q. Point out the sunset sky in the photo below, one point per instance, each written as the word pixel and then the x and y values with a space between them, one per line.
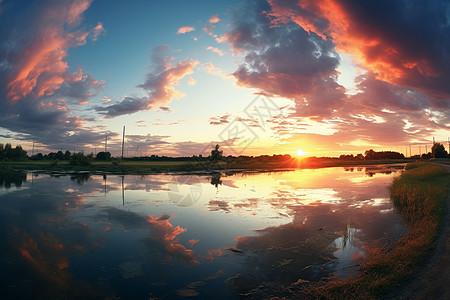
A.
pixel 257 77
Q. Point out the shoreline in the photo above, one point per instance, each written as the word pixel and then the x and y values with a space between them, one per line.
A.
pixel 137 168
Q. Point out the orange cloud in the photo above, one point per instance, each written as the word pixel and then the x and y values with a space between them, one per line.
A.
pixel 165 233
pixel 398 47
pixel 193 242
pixel 185 29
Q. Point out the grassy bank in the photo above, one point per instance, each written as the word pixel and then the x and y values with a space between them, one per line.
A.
pixel 419 195
pixel 148 167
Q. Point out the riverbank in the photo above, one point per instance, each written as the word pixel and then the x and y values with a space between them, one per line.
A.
pixel 431 281
pixel 419 195
pixel 190 167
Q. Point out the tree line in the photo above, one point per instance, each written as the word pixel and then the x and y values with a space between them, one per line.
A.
pixel 8 153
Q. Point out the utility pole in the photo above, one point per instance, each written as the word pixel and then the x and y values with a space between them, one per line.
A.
pixel 433 140
pixel 106 143
pixel 410 153
pixel 32 152
pixel 426 149
pixel 123 140
pixel 420 151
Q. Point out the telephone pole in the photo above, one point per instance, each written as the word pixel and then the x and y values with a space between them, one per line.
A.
pixel 106 143
pixel 123 140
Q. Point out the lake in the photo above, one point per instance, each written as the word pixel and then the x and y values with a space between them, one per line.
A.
pixel 174 236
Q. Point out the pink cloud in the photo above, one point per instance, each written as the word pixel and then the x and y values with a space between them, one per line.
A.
pixel 42 68
pixel 403 47
pixel 215 50
pixel 214 19
pixel 185 29
pixel 160 85
pixel 161 81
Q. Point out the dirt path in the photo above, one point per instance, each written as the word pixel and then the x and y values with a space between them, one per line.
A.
pixel 433 280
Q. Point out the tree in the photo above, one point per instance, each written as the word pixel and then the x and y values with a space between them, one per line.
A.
pixel 7 152
pixel 438 151
pixel 216 155
pixel 79 159
pixel 67 155
pixel 104 156
pixel 370 154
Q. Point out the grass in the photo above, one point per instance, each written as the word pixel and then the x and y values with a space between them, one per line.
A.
pixel 419 195
pixel 126 167
pixel 148 167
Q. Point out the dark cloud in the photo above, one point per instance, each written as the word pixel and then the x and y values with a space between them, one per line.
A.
pixel 129 105
pixel 289 50
pixel 402 42
pixel 285 60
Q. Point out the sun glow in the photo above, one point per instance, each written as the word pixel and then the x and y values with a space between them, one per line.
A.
pixel 300 152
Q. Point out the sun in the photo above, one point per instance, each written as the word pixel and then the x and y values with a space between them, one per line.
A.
pixel 300 152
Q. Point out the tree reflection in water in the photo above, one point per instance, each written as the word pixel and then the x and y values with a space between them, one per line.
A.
pixel 7 178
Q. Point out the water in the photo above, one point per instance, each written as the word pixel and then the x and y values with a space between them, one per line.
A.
pixel 174 236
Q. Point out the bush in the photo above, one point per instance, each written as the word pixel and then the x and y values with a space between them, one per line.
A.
pixel 79 159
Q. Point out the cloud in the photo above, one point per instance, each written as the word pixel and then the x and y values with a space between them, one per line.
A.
pixel 35 80
pixel 185 29
pixel 159 84
pixel 289 49
pixel 191 81
pixel 38 66
pixel 165 233
pixel 128 105
pixel 214 19
pixel 160 81
pixel 211 69
pixel 216 50
pixel 219 120
pixel 401 42
pixel 285 60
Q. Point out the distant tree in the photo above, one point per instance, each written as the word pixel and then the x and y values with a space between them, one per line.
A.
pixel 215 157
pixel 59 155
pixel 216 154
pixel 359 156
pixel 79 159
pixel 7 152
pixel 67 155
pixel 426 156
pixel 346 157
pixel 438 151
pixel 103 156
pixel 370 154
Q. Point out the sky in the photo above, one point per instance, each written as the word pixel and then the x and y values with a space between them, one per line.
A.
pixel 257 77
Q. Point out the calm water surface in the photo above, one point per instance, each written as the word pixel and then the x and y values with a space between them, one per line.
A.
pixel 174 236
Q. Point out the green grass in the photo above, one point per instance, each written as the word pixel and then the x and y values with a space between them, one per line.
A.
pixel 419 195
pixel 148 167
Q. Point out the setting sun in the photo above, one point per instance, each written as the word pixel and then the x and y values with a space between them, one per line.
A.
pixel 300 152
